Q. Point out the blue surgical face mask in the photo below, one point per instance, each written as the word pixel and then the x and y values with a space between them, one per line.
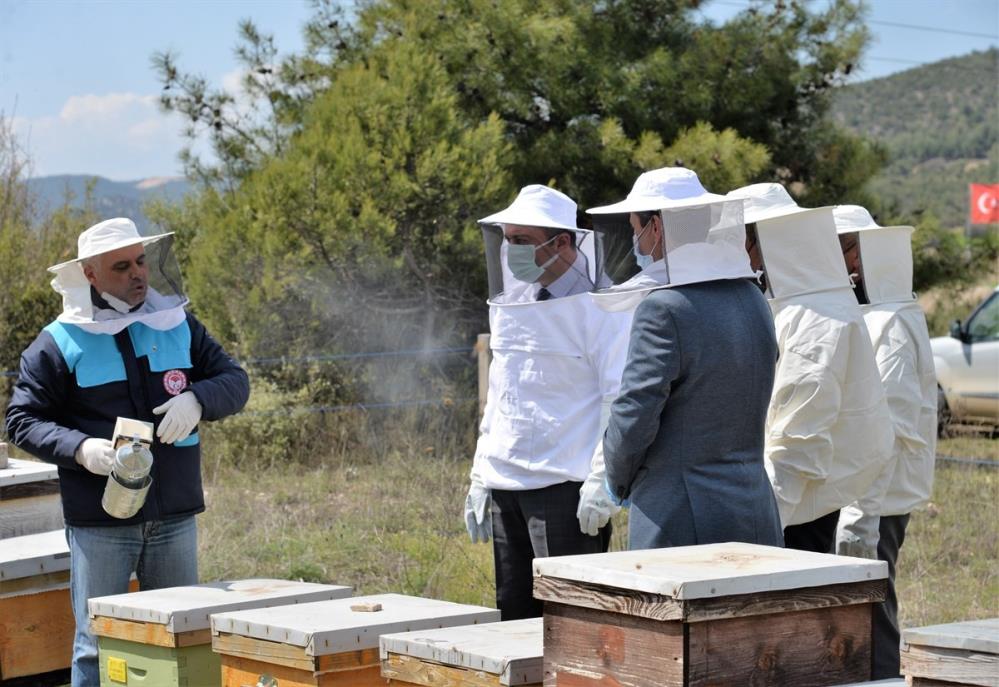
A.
pixel 642 260
pixel 520 260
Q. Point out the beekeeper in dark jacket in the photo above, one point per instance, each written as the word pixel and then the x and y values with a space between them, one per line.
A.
pixel 124 346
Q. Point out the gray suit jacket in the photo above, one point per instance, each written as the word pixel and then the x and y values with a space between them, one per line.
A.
pixel 685 439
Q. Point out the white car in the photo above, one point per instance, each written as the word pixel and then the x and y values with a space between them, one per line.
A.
pixel 967 365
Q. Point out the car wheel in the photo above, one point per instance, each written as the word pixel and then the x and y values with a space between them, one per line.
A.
pixel 943 414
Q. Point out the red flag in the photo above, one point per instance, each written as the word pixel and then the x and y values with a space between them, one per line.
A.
pixel 984 203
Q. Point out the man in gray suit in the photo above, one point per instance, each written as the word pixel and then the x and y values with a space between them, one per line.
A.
pixel 685 439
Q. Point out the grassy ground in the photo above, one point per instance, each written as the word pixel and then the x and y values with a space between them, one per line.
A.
pixel 397 526
pixel 947 568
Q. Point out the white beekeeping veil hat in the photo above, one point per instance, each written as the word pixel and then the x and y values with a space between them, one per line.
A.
pixel 165 300
pixel 703 237
pixel 798 245
pixel 885 254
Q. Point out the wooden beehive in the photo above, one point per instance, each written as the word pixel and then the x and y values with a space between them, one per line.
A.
pixel 164 636
pixel 327 643
pixel 955 654
pixel 29 498
pixel 734 614
pixel 36 617
pixel 488 655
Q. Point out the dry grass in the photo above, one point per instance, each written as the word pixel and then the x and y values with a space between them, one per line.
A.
pixel 947 566
pixel 395 524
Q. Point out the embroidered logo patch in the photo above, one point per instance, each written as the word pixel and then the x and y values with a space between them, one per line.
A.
pixel 174 381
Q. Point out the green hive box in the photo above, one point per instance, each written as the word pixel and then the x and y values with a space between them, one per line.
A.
pixel 162 637
pixel 131 663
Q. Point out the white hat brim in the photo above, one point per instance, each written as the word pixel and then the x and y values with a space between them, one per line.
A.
pixel 144 240
pixel 650 204
pixel 527 219
pixel 775 213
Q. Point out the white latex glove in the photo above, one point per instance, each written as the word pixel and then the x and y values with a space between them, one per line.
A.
pixel 857 534
pixel 595 505
pixel 478 511
pixel 182 415
pixel 96 456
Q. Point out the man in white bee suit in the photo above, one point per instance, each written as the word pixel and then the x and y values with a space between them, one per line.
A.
pixel 684 442
pixel 537 482
pixel 879 260
pixel 828 429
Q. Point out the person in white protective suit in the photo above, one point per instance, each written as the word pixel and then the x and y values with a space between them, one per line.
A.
pixel 828 431
pixel 537 477
pixel 879 260
pixel 684 442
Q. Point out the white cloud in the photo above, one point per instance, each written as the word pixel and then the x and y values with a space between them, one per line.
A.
pixel 122 136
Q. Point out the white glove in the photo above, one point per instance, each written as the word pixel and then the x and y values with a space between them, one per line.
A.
pixel 478 512
pixel 96 456
pixel 182 415
pixel 858 533
pixel 595 505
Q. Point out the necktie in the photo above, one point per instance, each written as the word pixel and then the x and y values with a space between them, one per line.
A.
pixel 544 294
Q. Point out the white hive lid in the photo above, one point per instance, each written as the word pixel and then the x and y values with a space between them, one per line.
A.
pixel 513 650
pixel 183 609
pixel 711 570
pixel 33 554
pixel 331 627
pixel 972 635
pixel 25 471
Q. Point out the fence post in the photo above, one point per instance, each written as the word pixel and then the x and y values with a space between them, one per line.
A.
pixel 484 355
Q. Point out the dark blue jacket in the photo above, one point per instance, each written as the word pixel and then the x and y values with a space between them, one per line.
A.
pixel 74 385
pixel 685 437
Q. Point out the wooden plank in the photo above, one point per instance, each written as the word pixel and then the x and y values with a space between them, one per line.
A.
pixel 266 651
pixel 32 585
pixel 27 490
pixel 279 653
pixel 711 570
pixel 148 633
pixel 611 599
pixel 658 607
pixel 244 672
pixel 587 648
pixel 786 601
pixel 923 682
pixel 812 648
pixel 972 635
pixel 36 633
pixel 950 665
pixel 513 650
pixel 423 672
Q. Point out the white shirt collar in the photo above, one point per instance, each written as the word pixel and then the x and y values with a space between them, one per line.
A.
pixel 574 280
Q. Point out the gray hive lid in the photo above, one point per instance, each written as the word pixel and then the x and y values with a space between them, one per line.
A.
pixel 33 554
pixel 331 627
pixel 26 471
pixel 512 650
pixel 711 570
pixel 184 609
pixel 973 635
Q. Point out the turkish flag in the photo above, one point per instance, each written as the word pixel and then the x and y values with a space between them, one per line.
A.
pixel 984 203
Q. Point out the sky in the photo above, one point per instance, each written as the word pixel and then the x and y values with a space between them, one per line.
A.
pixel 76 79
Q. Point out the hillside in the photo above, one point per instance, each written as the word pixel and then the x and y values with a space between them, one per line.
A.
pixel 939 124
pixel 110 198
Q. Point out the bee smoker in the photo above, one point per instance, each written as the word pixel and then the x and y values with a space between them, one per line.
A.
pixel 129 481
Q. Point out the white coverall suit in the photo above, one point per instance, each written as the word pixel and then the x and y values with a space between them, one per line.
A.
pixel 902 351
pixel 828 432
